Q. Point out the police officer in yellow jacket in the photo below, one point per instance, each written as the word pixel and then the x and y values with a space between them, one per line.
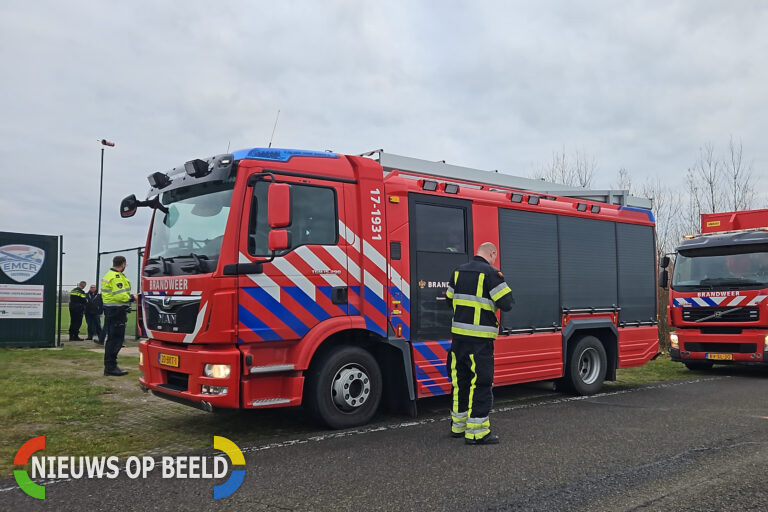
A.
pixel 116 296
pixel 476 291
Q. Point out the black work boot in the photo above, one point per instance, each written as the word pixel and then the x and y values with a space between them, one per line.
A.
pixel 114 372
pixel 489 439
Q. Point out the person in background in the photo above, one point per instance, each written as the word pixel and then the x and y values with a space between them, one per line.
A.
pixel 76 310
pixel 93 310
pixel 117 296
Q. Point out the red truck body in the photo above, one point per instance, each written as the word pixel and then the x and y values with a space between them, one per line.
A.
pixel 717 302
pixel 351 311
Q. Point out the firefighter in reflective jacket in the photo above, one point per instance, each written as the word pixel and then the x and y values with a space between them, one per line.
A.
pixel 476 291
pixel 116 296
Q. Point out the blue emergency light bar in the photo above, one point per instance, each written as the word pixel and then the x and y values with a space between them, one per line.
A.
pixel 279 155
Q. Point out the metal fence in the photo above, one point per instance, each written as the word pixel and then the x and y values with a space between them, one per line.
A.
pixel 133 258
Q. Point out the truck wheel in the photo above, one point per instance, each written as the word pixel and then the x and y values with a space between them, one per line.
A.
pixel 344 387
pixel 586 366
pixel 699 366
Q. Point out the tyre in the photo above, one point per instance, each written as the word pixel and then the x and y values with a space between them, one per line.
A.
pixel 699 365
pixel 343 387
pixel 586 366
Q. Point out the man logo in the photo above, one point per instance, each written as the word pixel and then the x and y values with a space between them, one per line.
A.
pixel 22 477
pixel 21 262
pixel 236 478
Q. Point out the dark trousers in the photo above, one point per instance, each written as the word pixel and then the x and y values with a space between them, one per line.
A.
pixel 116 317
pixel 94 326
pixel 75 321
pixel 470 365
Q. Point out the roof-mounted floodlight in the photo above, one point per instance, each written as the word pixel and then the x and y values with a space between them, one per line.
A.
pixel 158 180
pixel 533 200
pixel 582 207
pixel 429 185
pixel 595 208
pixel 451 188
pixel 516 198
pixel 197 168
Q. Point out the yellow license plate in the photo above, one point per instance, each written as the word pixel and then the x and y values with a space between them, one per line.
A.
pixel 169 360
pixel 720 357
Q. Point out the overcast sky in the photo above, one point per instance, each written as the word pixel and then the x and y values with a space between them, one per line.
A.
pixel 494 85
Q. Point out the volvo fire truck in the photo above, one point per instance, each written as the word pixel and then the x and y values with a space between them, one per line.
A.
pixel 277 278
pixel 717 302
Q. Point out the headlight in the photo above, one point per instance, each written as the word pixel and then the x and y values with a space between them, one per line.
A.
pixel 673 342
pixel 217 371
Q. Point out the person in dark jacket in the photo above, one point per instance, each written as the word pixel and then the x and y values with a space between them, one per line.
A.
pixel 476 292
pixel 76 310
pixel 93 311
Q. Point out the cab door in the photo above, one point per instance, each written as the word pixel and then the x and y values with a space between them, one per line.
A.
pixel 440 240
pixel 303 285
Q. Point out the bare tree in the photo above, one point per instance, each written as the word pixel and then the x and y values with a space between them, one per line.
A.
pixel 624 180
pixel 667 208
pixel 739 178
pixel 576 170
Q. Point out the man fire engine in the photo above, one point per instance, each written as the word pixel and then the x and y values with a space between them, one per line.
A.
pixel 277 277
pixel 717 302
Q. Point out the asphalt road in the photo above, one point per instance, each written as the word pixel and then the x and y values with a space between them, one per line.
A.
pixel 699 444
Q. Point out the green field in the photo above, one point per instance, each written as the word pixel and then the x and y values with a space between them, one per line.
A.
pixel 129 331
pixel 61 393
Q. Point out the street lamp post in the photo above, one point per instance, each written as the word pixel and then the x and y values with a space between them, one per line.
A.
pixel 109 143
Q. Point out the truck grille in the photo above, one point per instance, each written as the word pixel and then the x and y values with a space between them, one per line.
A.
pixel 731 348
pixel 745 314
pixel 171 313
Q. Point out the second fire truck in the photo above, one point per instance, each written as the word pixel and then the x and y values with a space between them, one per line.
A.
pixel 718 303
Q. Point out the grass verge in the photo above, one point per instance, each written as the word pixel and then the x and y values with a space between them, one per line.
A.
pixel 62 394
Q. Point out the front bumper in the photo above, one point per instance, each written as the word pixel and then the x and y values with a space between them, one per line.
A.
pixel 746 347
pixel 184 383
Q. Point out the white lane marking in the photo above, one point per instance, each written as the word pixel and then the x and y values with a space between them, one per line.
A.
pixel 426 421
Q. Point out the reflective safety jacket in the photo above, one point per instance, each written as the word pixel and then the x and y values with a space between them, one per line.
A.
pixel 77 299
pixel 476 291
pixel 115 289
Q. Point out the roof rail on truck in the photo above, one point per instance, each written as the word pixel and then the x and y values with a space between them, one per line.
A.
pixel 391 162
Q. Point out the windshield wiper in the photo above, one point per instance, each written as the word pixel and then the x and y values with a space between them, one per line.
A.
pixel 163 263
pixel 199 265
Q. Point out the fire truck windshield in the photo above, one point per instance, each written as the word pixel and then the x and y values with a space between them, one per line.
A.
pixel 720 271
pixel 188 238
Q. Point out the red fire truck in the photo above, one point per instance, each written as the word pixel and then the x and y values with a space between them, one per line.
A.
pixel 277 277
pixel 717 301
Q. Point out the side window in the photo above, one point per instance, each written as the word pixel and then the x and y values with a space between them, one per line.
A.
pixel 314 218
pixel 440 229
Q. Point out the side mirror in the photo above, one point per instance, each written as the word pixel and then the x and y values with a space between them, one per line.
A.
pixel 664 279
pixel 664 262
pixel 128 206
pixel 279 240
pixel 279 205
